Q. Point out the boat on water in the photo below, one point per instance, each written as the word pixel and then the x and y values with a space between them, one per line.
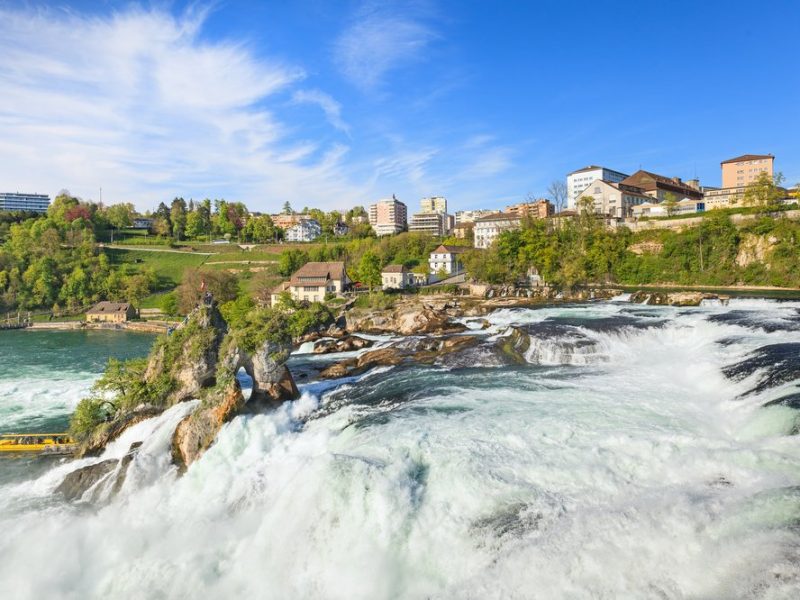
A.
pixel 38 443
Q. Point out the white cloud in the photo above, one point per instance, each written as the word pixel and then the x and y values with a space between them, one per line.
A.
pixel 138 102
pixel 378 42
pixel 331 108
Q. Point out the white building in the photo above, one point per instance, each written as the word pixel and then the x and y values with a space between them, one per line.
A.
pixel 488 228
pixel 652 209
pixel 27 202
pixel 447 259
pixel 396 277
pixel 388 216
pixel 307 230
pixel 612 199
pixel 579 180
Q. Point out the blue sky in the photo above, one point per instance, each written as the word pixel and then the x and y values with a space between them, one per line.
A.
pixel 333 104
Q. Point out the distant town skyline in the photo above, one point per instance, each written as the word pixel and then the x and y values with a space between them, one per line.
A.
pixel 332 105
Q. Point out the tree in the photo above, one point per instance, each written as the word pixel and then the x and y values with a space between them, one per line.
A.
pixel 369 269
pixel 557 193
pixel 222 285
pixel 194 225
pixel 120 216
pixel 670 203
pixel 287 208
pixel 290 261
pixel 177 215
pixel 764 191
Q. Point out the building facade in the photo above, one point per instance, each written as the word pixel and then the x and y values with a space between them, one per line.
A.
pixel 653 209
pixel 488 228
pixel 745 169
pixel 313 281
pixel 285 221
pixel 110 312
pixel 307 230
pixel 436 204
pixel 579 180
pixel 432 223
pixel 28 202
pixel 396 277
pixel 660 187
pixel 538 209
pixel 613 199
pixel 388 216
pixel 447 259
pixel 723 197
pixel 469 216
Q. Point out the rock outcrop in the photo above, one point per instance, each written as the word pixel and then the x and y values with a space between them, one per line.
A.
pixel 114 471
pixel 346 344
pixel 674 298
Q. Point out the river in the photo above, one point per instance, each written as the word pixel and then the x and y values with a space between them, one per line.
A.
pixel 631 457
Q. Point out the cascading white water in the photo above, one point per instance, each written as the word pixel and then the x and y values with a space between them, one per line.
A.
pixel 645 475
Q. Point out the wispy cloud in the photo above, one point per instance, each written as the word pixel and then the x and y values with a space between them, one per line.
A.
pixel 331 108
pixel 380 40
pixel 140 103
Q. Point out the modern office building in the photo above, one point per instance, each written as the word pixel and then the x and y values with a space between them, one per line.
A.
pixel 579 180
pixel 27 202
pixel 745 169
pixel 388 216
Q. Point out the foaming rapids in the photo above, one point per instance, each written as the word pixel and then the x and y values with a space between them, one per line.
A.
pixel 635 452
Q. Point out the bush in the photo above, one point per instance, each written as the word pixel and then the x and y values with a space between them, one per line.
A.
pixel 89 413
pixel 169 304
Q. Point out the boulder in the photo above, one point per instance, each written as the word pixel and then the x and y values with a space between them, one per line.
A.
pixel 346 344
pixel 78 482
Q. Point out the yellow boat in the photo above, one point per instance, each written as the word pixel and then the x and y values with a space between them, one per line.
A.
pixel 41 443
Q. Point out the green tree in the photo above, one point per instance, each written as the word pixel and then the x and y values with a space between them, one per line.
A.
pixel 291 260
pixel 765 191
pixel 177 215
pixel 670 203
pixel 120 216
pixel 369 269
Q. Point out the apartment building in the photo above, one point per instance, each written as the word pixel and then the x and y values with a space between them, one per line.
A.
pixel 28 202
pixel 388 216
pixel 433 204
pixel 745 169
pixel 432 223
pixel 488 228
pixel 579 180
pixel 285 221
pixel 538 209
pixel 307 230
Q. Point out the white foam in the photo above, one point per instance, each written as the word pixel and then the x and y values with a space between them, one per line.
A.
pixel 637 477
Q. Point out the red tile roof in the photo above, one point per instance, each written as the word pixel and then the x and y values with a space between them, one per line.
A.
pixel 746 157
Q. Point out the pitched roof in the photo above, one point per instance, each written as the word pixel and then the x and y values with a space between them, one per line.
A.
pixel 649 182
pixel 282 287
pixel 442 249
pixel 746 157
pixel 317 273
pixel 394 269
pixel 106 307
pixel 499 217
pixel 594 168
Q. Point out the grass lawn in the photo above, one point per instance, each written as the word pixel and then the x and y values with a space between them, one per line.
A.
pixel 169 266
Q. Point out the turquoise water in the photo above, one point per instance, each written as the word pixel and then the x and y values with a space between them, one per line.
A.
pixel 43 375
